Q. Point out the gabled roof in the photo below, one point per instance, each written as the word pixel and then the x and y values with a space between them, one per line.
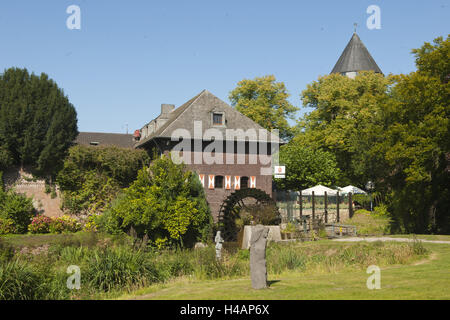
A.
pixel 200 108
pixel 356 58
pixel 105 139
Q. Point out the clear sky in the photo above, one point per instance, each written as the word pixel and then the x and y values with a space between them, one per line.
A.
pixel 131 56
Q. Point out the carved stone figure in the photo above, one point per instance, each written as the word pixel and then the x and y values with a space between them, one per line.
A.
pixel 258 267
pixel 218 240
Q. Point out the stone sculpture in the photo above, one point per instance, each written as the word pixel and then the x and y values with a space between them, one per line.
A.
pixel 258 267
pixel 218 240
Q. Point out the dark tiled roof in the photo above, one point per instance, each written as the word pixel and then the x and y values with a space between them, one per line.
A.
pixel 105 139
pixel 355 58
pixel 199 109
pixel 173 116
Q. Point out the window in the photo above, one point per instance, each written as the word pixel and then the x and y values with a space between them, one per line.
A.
pixel 218 119
pixel 244 182
pixel 219 182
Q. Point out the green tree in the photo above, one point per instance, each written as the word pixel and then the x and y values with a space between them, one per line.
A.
pixel 265 101
pixel 306 167
pixel 416 143
pixel 432 59
pixel 394 131
pixel 167 203
pixel 37 122
pixel 346 121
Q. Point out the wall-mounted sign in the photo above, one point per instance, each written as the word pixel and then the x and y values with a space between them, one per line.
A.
pixel 279 172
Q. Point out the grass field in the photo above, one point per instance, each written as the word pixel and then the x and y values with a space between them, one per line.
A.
pixel 322 269
pixel 425 279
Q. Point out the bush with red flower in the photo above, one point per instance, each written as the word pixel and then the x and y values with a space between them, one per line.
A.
pixel 40 225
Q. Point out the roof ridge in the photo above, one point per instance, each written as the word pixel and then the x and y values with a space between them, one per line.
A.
pixel 174 115
pixel 168 123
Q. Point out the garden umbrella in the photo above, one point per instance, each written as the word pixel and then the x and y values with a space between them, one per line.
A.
pixel 319 191
pixel 352 189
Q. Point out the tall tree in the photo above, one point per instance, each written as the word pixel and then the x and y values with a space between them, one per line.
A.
pixel 346 121
pixel 306 167
pixel 265 101
pixel 37 122
pixel 416 144
pixel 395 131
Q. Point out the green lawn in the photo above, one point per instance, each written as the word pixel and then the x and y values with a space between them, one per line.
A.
pixel 427 279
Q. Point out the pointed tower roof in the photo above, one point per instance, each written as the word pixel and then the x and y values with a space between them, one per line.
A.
pixel 356 58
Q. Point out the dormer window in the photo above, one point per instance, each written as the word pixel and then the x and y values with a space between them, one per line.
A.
pixel 218 119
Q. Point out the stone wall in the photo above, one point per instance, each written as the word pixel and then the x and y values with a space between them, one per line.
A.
pixel 22 181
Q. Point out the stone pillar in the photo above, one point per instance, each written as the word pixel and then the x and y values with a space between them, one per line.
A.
pixel 258 267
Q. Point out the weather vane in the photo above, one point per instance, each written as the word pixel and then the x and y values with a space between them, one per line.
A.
pixel 356 26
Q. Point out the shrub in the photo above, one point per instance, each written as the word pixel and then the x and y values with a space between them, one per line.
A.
pixel 370 223
pixel 40 225
pixel 108 221
pixel 363 200
pixel 17 208
pixel 165 202
pixel 92 177
pixel 90 225
pixel 265 214
pixel 7 226
pixel 115 268
pixel 64 224
pixel 18 281
pixel 21 280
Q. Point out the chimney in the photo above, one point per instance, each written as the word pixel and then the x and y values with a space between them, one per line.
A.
pixel 167 108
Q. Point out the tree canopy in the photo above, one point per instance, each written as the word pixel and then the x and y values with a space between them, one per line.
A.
pixel 265 101
pixel 306 167
pixel 37 122
pixel 345 121
pixel 392 130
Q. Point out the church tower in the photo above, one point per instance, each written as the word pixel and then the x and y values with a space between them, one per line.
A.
pixel 355 58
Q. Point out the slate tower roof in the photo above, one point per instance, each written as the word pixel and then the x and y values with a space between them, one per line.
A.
pixel 356 58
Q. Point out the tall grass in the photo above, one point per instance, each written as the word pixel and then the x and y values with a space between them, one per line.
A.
pixel 22 281
pixel 116 265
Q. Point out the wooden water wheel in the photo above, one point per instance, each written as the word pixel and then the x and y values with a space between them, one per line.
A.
pixel 232 207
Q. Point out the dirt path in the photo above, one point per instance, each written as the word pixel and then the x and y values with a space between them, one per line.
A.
pixel 373 239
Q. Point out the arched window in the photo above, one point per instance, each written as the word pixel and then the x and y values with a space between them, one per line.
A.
pixel 219 182
pixel 244 183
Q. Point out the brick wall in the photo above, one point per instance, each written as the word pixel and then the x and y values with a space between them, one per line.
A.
pixel 215 197
pixel 22 182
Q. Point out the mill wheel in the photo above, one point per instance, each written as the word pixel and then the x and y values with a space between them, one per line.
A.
pixel 233 205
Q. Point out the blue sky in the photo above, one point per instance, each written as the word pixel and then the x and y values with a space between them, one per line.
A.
pixel 131 56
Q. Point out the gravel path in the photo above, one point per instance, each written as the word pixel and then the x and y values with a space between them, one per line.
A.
pixel 373 239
